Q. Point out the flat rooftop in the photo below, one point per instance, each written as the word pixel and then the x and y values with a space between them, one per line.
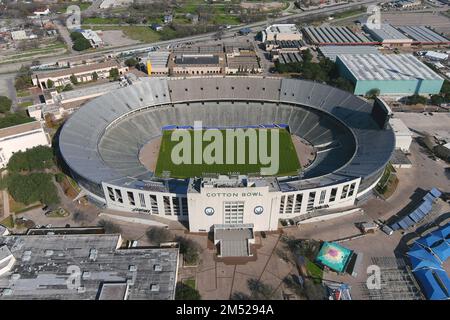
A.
pixel 423 34
pixel 331 52
pixel 79 69
pixel 20 128
pixel 197 60
pixel 387 67
pixel 158 59
pixel 335 35
pixel 282 28
pixel 41 270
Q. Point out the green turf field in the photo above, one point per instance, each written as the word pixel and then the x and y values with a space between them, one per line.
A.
pixel 288 163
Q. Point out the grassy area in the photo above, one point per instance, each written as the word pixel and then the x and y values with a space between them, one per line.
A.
pixel 23 93
pixel 190 282
pixel 18 207
pixel 25 104
pixel 314 271
pixel 8 222
pixel 83 5
pixel 58 213
pixel 98 20
pixel 349 13
pixel 287 157
pixel 226 19
pixel 388 182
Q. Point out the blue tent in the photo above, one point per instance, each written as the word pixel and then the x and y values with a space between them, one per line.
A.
pixel 417 264
pixel 429 284
pixel 429 240
pixel 442 251
pixel 419 252
pixel 446 230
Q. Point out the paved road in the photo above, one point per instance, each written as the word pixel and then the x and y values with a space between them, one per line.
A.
pixel 257 26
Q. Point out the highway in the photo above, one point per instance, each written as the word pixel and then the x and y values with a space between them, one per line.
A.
pixel 228 33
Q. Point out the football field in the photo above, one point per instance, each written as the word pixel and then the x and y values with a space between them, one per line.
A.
pixel 284 155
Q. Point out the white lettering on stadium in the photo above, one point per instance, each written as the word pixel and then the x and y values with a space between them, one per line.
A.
pixel 233 194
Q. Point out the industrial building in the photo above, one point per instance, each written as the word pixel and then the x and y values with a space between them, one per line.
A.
pixel 424 35
pixel 83 73
pixel 64 266
pixel 403 136
pixel 331 35
pixel 281 32
pixel 331 52
pixel 20 138
pixel 241 58
pixel 395 74
pixel 388 36
pixel 158 63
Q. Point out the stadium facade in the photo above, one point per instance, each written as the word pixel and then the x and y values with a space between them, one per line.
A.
pixel 100 146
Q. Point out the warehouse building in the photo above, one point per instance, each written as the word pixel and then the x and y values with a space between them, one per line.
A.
pixel 397 74
pixel 83 73
pixel 331 52
pixel 60 265
pixel 388 36
pixel 424 35
pixel 241 58
pixel 335 36
pixel 20 138
pixel 158 63
pixel 281 32
pixel 403 137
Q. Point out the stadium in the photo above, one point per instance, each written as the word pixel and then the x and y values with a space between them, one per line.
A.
pixel 111 147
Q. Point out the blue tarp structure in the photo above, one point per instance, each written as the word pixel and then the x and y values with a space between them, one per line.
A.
pixel 442 251
pixel 419 252
pixel 429 240
pixel 417 264
pixel 426 256
pixel 419 213
pixel 430 284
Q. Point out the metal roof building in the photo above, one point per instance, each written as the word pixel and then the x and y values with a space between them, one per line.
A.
pixel 86 267
pixel 331 52
pixel 388 35
pixel 397 74
pixel 335 36
pixel 423 35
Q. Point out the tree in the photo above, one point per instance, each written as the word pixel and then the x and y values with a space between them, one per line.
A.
pixel 189 249
pixel 80 43
pixel 416 99
pixel 110 227
pixel 5 104
pixel 131 62
pixel 259 290
pixel 50 83
pixel 73 79
pixel 437 99
pixel 49 120
pixel 95 76
pixel 373 93
pixel 307 55
pixel 33 187
pixel 37 158
pixel 114 74
pixel 158 235
pixel 23 79
pixel 185 292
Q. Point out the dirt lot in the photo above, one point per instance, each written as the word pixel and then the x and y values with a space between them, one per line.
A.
pixel 435 20
pixel 116 38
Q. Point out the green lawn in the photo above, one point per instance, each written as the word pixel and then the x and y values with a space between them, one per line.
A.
pixel 314 271
pixel 23 93
pixel 287 159
pixel 25 104
pixel 98 20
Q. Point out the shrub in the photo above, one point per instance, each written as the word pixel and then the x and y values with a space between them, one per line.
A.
pixel 158 235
